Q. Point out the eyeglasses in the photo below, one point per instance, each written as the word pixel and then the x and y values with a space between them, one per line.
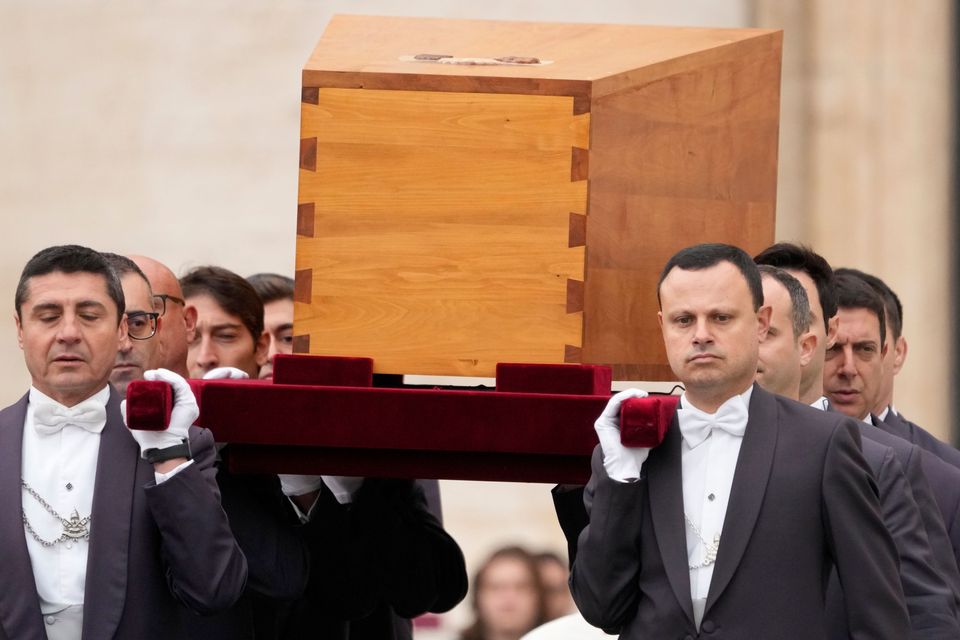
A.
pixel 142 325
pixel 160 302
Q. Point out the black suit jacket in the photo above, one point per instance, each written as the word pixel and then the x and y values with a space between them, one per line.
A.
pixel 940 465
pixel 802 500
pixel 375 563
pixel 153 548
pixel 929 594
pixel 277 555
pixel 899 426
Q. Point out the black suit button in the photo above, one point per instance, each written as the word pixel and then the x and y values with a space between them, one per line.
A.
pixel 708 627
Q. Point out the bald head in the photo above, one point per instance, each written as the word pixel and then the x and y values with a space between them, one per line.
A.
pixel 178 322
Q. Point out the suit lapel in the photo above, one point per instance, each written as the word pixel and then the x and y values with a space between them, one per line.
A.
pixel 665 487
pixel 896 425
pixel 19 605
pixel 108 559
pixel 749 486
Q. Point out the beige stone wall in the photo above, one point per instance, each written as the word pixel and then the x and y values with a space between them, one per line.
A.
pixel 865 162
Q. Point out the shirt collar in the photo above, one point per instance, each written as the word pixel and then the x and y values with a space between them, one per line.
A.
pixel 37 396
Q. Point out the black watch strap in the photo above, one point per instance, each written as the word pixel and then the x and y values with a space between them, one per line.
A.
pixel 155 456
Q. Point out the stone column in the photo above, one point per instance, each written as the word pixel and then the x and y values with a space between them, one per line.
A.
pixel 866 149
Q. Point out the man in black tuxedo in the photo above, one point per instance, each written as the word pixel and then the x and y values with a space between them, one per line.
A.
pixel 732 524
pixel 106 532
pixel 887 416
pixel 927 578
pixel 935 489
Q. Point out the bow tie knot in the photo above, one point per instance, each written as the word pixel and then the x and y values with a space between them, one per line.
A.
pixel 695 425
pixel 51 417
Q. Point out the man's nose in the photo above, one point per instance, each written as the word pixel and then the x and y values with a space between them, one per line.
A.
pixel 126 343
pixel 207 356
pixel 69 329
pixel 702 334
pixel 847 366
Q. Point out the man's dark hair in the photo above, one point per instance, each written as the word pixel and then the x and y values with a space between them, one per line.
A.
pixel 855 293
pixel 704 256
pixel 799 303
pixel 122 266
pixel 272 286
pixel 800 258
pixel 891 301
pixel 69 258
pixel 235 295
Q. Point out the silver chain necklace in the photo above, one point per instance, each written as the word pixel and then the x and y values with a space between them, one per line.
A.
pixel 74 528
pixel 710 555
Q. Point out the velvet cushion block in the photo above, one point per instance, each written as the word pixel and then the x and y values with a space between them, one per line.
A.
pixel 644 421
pixel 149 403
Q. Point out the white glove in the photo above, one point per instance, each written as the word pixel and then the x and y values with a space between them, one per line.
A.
pixel 297 485
pixel 621 463
pixel 185 412
pixel 225 373
pixel 343 487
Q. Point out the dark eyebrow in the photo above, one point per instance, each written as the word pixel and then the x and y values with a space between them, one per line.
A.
pixel 46 306
pixel 226 325
pixel 90 303
pixel 286 326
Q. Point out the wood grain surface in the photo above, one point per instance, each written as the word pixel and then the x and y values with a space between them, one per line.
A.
pixel 691 158
pixel 441 229
pixel 587 59
pixel 469 215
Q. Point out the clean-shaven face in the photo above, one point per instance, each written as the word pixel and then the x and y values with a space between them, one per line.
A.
pixel 778 367
pixel 135 356
pixel 69 334
pixel 711 331
pixel 853 369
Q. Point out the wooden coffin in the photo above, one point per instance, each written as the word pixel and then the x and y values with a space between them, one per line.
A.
pixel 477 207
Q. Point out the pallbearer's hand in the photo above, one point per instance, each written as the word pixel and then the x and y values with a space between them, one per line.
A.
pixel 621 463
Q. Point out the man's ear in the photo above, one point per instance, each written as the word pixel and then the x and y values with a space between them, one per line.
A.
pixel 808 346
pixel 261 350
pixel 833 325
pixel 190 322
pixel 122 328
pixel 660 319
pixel 763 322
pixel 899 354
pixel 16 318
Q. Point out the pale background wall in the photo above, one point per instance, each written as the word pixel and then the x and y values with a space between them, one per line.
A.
pixel 171 129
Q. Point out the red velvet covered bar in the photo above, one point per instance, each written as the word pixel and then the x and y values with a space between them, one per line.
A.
pixel 352 430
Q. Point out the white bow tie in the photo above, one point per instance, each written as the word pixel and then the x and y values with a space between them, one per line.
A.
pixel 51 417
pixel 695 425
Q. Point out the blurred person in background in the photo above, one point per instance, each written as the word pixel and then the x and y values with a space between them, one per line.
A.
pixel 555 576
pixel 276 292
pixel 508 596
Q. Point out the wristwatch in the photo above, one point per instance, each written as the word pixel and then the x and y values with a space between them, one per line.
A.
pixel 155 456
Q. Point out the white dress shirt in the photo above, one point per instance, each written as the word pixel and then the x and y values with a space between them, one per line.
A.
pixel 61 467
pixel 707 472
pixel 820 403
